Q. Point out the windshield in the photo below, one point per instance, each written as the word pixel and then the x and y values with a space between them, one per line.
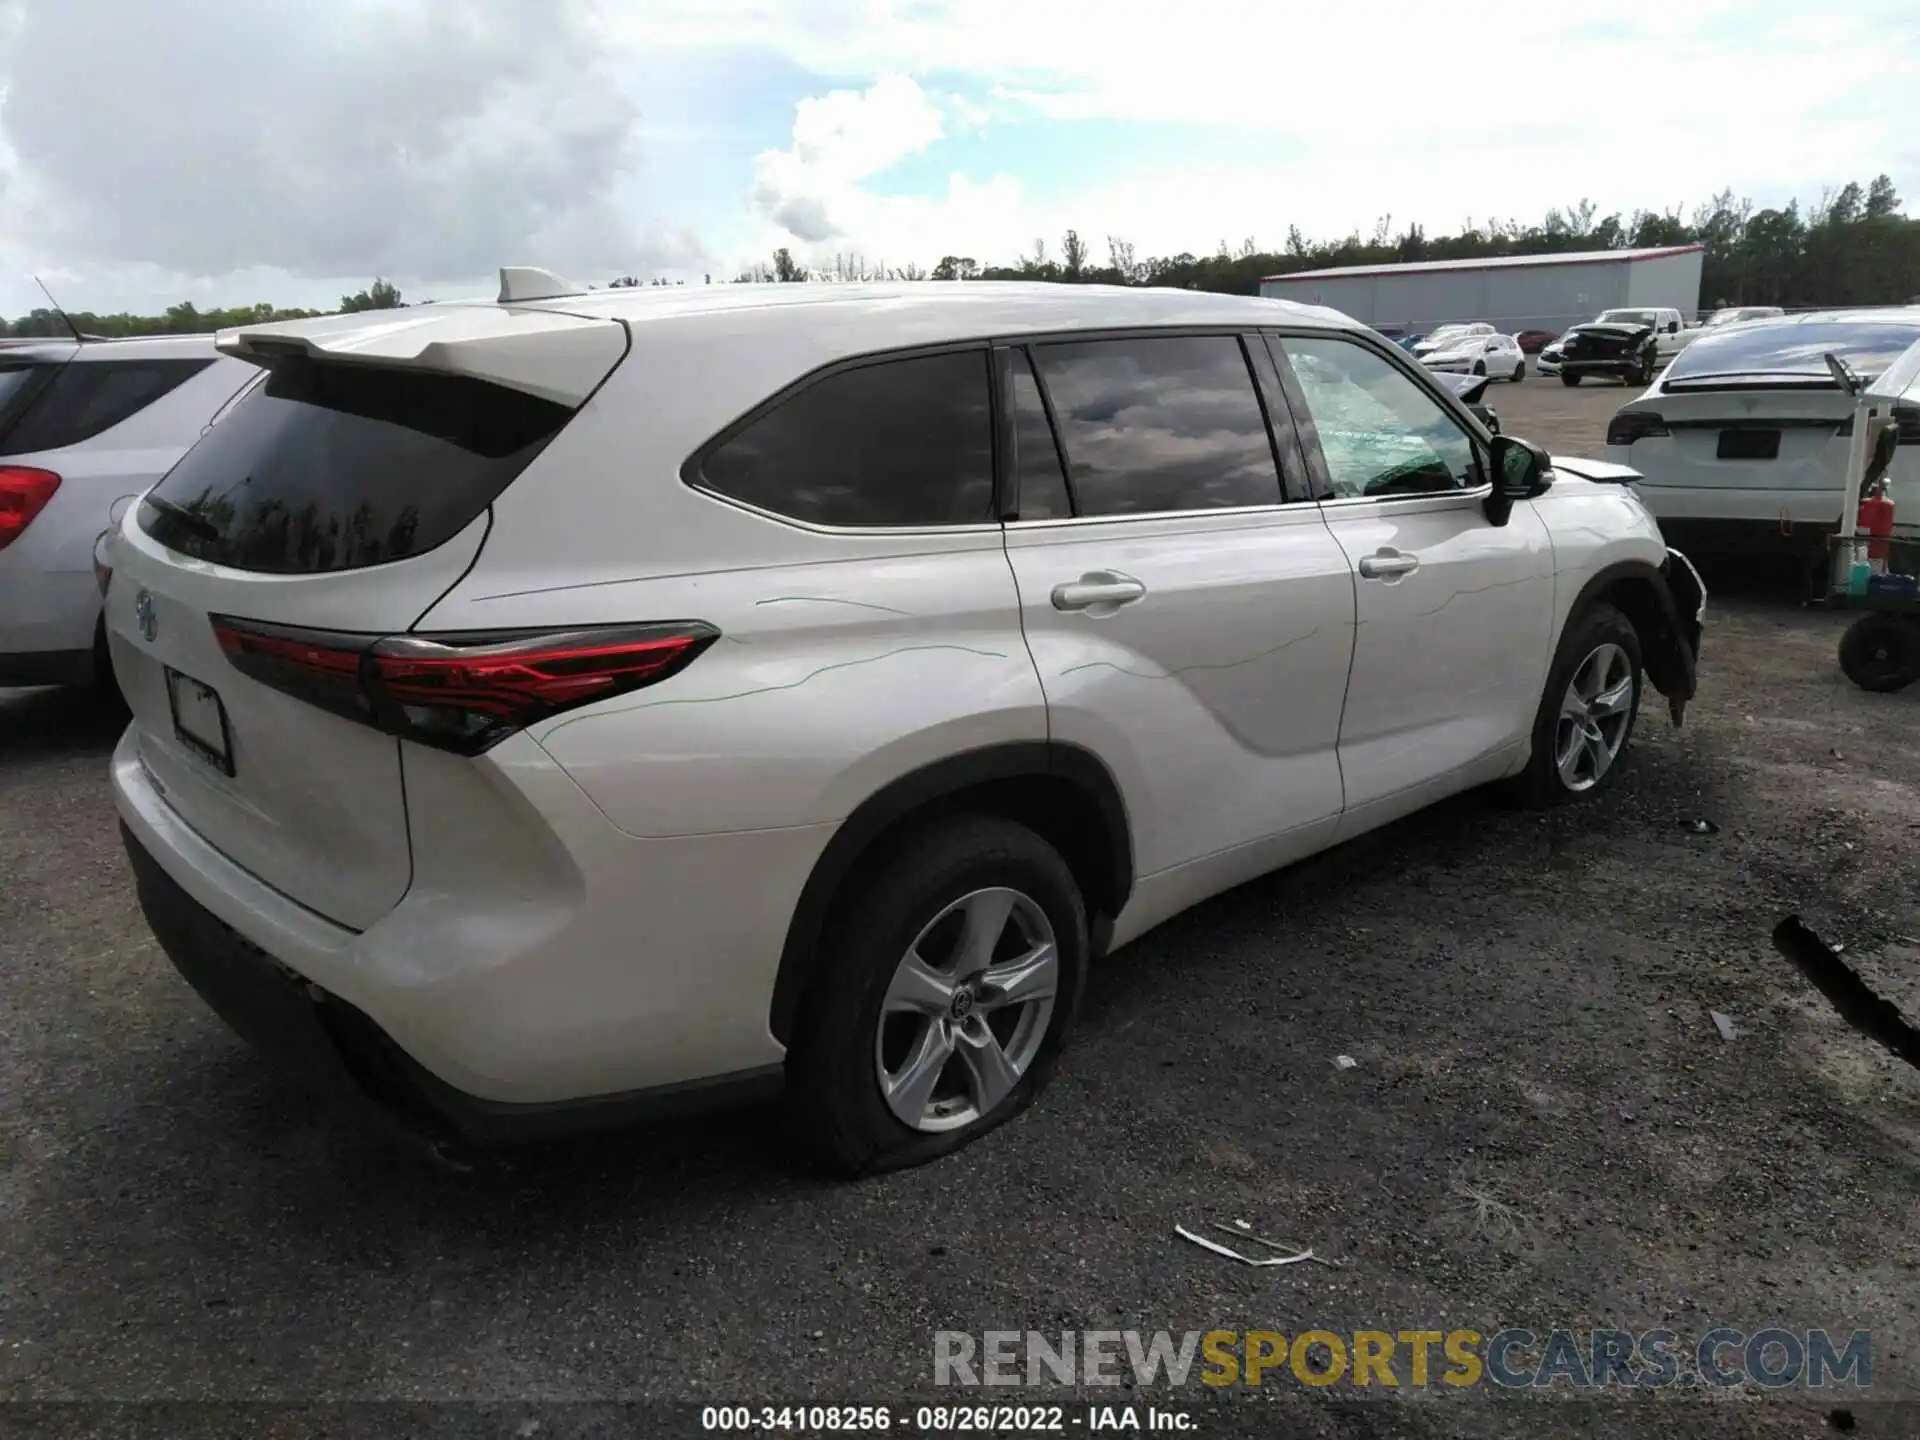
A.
pixel 1625 317
pixel 1444 333
pixel 1794 352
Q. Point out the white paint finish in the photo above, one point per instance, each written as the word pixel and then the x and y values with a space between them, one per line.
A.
pixel 541 955
pixel 1684 479
pixel 1448 659
pixel 48 599
pixel 557 357
pixel 833 679
pixel 1215 697
pixel 315 807
pixel 600 905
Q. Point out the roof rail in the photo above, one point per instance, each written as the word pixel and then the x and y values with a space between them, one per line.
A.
pixel 528 282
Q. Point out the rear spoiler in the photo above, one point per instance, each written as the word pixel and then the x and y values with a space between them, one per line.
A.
pixel 557 357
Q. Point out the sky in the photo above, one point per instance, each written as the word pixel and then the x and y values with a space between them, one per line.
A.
pixel 291 150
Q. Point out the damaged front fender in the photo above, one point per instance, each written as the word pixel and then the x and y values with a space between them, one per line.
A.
pixel 1671 642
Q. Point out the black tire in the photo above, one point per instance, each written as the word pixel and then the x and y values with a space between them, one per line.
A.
pixel 1541 784
pixel 1519 372
pixel 1567 377
pixel 1479 367
pixel 1881 653
pixel 832 1076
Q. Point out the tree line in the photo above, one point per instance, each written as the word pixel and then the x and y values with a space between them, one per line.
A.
pixel 1854 246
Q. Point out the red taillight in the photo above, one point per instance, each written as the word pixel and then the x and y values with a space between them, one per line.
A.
pixel 1630 425
pixel 463 693
pixel 24 493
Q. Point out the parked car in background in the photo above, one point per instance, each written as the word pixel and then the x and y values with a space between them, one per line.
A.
pixel 85 425
pixel 1442 336
pixel 1495 355
pixel 1742 443
pixel 1624 350
pixel 478 654
pixel 1532 342
pixel 1670 331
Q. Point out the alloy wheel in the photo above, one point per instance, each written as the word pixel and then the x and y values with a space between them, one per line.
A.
pixel 967 1010
pixel 1594 716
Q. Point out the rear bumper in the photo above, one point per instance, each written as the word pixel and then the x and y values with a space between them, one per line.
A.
pixel 48 618
pixel 320 1042
pixel 582 972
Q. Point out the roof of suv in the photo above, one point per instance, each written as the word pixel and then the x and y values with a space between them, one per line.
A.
pixel 561 346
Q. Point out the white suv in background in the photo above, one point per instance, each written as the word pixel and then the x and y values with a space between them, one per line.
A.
pixel 554 708
pixel 85 425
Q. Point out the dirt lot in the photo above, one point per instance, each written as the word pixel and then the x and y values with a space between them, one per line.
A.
pixel 1544 1127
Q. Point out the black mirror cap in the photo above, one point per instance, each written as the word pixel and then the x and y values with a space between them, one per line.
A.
pixel 1520 469
pixel 1881 455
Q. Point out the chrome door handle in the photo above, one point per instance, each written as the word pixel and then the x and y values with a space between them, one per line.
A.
pixel 1388 564
pixel 1097 588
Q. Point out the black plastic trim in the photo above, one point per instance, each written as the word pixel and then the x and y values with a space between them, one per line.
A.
pixel 900 800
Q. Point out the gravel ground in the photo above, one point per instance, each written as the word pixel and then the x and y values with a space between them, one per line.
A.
pixel 1526 997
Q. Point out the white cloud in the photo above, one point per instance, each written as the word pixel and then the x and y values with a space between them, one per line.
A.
pixel 1429 112
pixel 429 139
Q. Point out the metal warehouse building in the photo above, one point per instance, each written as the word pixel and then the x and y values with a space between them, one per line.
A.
pixel 1522 292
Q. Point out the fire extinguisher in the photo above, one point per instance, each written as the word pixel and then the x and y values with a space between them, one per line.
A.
pixel 1876 521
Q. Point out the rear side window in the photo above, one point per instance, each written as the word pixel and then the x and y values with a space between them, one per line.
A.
pixel 18 385
pixel 332 467
pixel 898 442
pixel 1159 423
pixel 89 397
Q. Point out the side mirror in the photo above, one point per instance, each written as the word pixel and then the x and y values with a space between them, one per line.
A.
pixel 1673 327
pixel 1519 473
pixel 1880 453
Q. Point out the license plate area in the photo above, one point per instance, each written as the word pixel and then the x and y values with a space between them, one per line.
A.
pixel 1749 445
pixel 200 720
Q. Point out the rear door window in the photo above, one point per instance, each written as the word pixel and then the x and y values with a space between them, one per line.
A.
pixel 905 441
pixel 88 397
pixel 1159 423
pixel 328 467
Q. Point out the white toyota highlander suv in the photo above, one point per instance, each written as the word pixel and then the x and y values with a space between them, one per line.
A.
pixel 583 703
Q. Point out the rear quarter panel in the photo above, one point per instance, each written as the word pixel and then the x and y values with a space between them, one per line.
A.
pixel 848 658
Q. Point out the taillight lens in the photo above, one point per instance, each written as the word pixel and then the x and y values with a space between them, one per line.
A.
pixel 463 693
pixel 24 493
pixel 1631 425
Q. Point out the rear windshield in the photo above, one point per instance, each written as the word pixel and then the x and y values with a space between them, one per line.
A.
pixel 1793 350
pixel 84 399
pixel 333 467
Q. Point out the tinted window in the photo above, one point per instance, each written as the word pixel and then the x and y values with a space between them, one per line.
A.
pixel 18 385
pixel 1154 424
pixel 902 442
pixel 1381 433
pixel 332 467
pixel 88 397
pixel 1043 482
pixel 1795 347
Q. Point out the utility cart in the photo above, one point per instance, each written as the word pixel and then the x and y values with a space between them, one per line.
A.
pixel 1875 556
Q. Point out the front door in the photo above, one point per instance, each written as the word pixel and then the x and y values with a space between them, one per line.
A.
pixel 1454 614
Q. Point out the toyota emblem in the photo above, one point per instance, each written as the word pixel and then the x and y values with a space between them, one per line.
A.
pixel 143 615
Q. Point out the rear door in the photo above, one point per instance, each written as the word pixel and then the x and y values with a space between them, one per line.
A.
pixel 1454 614
pixel 335 497
pixel 1190 626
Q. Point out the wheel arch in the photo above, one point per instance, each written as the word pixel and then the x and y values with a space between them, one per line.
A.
pixel 1065 793
pixel 1639 590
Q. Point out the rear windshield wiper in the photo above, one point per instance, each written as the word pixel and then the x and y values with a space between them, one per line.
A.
pixel 196 523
